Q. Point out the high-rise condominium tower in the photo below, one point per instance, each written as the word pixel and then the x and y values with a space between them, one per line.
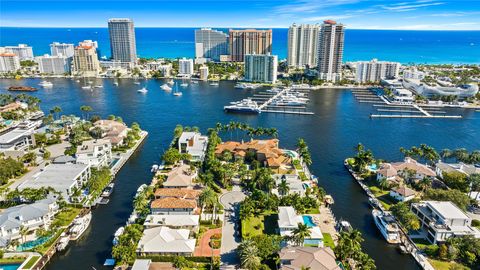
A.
pixel 249 41
pixel 303 45
pixel 210 44
pixel 330 51
pixel 122 40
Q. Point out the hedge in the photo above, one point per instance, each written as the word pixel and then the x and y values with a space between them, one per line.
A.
pixel 165 258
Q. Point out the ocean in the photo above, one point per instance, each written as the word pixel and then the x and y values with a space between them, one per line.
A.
pixel 433 47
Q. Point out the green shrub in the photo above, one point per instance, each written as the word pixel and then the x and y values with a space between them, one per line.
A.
pixel 476 223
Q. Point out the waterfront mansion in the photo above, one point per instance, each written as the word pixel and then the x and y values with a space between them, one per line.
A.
pixel 442 220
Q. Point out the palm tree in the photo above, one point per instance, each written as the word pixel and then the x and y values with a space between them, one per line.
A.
pixel 383 183
pixel 424 183
pixel 461 154
pixel 248 255
pixel 283 187
pixel 23 233
pixel 85 110
pixel 300 233
pixel 209 199
pixel 446 153
pixel 474 157
pixel 56 110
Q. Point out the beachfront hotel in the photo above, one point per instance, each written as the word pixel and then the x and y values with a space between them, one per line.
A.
pixel 249 41
pixel 49 64
pixel 210 45
pixel 9 62
pixel 23 51
pixel 85 60
pixel 185 67
pixel 261 68
pixel 303 45
pixel 330 52
pixel 62 49
pixel 122 40
pixel 374 70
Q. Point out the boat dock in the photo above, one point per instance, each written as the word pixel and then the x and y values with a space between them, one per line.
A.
pixel 388 109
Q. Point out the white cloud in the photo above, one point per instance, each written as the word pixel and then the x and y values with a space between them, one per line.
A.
pixel 326 17
pixel 311 6
pixel 410 6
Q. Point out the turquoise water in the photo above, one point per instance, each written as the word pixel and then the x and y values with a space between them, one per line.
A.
pixel 373 167
pixel 114 161
pixel 31 244
pixel 9 266
pixel 308 220
pixel 392 45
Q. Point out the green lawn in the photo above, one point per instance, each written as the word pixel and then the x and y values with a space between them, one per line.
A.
pixel 302 175
pixel 66 216
pixel 441 265
pixel 328 240
pixel 313 211
pixel 12 260
pixel 30 263
pixel 265 223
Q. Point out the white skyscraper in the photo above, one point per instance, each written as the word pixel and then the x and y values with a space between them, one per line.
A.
pixel 122 40
pixel 303 45
pixel 261 68
pixel 185 67
pixel 330 51
pixel 23 51
pixel 203 73
pixel 375 71
pixel 64 49
pixel 210 45
pixel 9 62
pixel 53 64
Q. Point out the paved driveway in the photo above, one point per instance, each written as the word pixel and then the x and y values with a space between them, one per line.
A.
pixel 231 226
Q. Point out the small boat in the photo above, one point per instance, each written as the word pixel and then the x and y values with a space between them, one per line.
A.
pixel 170 82
pixel 63 242
pixel 77 80
pixel 103 200
pixel 117 234
pixel 87 87
pixel 140 189
pixel 45 84
pixel 166 87
pixel 214 84
pixel 402 249
pixel 154 168
pixel 176 92
pixel 98 86
pixel 387 226
pixel 329 199
pixel 115 83
pixel 344 225
pixel 136 82
pixel 373 202
pixel 80 225
pixel 143 90
pixel 184 84
pixel 108 190
pixel 194 82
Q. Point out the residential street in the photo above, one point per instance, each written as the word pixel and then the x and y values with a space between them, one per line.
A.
pixel 231 231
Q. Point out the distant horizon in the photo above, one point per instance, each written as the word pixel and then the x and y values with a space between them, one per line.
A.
pixel 240 27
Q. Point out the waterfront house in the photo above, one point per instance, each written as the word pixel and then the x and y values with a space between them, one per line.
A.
pixel 17 139
pixel 295 258
pixel 180 177
pixel 402 194
pixel 113 131
pixel 441 220
pixel 293 181
pixel 30 216
pixel 288 221
pixel 189 222
pixel 174 206
pixel 141 264
pixel 13 107
pixel 179 193
pixel 96 153
pixel 165 241
pixel 266 152
pixel 410 168
pixel 194 144
pixel 63 178
pixel 466 169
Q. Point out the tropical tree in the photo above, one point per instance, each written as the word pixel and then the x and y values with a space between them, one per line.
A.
pixel 23 233
pixel 209 199
pixel 247 251
pixel 446 153
pixel 424 183
pixel 348 245
pixel 300 233
pixel 283 187
pixel 383 183
pixel 85 111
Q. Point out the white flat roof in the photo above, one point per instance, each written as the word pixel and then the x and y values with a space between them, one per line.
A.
pixel 141 264
pixel 287 217
pixel 448 210
pixel 13 135
pixel 172 220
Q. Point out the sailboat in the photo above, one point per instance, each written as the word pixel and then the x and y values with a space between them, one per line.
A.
pixel 170 82
pixel 165 87
pixel 85 85
pixel 143 90
pixel 176 92
pixel 184 84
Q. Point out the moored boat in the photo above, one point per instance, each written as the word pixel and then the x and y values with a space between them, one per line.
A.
pixel 142 90
pixel 387 226
pixel 22 88
pixel 79 226
pixel 45 84
pixel 244 106
pixel 63 242
pixel 117 235
pixel 166 87
pixel 108 190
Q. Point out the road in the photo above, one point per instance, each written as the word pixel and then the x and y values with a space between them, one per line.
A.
pixel 230 239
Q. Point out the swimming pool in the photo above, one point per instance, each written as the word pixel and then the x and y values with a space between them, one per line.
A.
pixel 114 161
pixel 308 220
pixel 31 244
pixel 373 167
pixel 9 266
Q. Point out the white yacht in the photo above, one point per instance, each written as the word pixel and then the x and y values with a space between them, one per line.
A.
pixel 45 84
pixel 87 87
pixel 184 84
pixel 63 242
pixel 115 83
pixel 288 101
pixel 387 226
pixel 246 106
pixel 117 235
pixel 142 90
pixel 214 83
pixel 80 225
pixel 108 190
pixel 176 92
pixel 98 86
pixel 247 86
pixel 170 82
pixel 136 82
pixel 166 87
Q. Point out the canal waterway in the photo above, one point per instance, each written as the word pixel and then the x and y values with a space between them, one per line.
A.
pixel 339 123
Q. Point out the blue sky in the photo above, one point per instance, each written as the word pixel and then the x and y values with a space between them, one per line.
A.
pixel 356 14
